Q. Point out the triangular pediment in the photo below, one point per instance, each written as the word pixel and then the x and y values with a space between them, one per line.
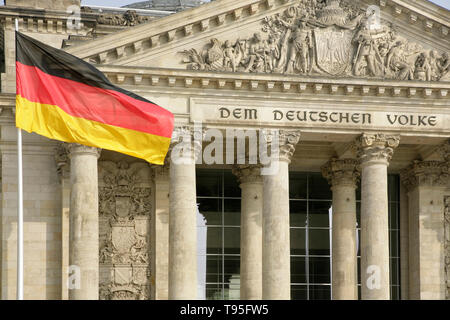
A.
pixel 394 39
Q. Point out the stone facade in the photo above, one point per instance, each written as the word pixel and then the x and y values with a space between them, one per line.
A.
pixel 373 103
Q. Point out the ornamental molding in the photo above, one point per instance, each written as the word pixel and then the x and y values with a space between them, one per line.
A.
pixel 125 206
pixel 222 14
pixel 376 147
pixel 426 174
pixel 272 83
pixel 341 172
pixel 324 37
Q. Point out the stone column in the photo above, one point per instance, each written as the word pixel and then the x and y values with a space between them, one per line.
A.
pixel 426 182
pixel 276 232
pixel 251 230
pixel 343 177
pixel 375 152
pixel 183 216
pixel 84 236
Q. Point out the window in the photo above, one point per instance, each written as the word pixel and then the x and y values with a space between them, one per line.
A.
pixel 219 198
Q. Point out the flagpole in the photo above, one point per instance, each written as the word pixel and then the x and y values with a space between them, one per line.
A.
pixel 20 210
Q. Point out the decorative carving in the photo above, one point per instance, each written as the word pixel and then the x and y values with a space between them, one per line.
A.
pixel 248 173
pixel 129 18
pixel 341 172
pixel 444 150
pixel 447 243
pixel 62 160
pixel 426 173
pixel 376 147
pixel 288 139
pixel 125 204
pixel 328 37
pixel 187 141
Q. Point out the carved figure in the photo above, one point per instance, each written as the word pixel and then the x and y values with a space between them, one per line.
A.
pixel 367 54
pixel 229 56
pixel 396 60
pixel 299 56
pixel 256 59
pixel 423 68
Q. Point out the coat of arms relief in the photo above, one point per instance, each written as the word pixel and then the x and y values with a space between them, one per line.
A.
pixel 324 37
pixel 125 203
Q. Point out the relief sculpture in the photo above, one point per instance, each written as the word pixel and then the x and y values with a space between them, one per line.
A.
pixel 324 37
pixel 124 206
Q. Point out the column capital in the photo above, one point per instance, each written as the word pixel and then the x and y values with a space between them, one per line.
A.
pixel 187 141
pixel 79 149
pixel 341 172
pixel 376 147
pixel 248 173
pixel 425 173
pixel 287 140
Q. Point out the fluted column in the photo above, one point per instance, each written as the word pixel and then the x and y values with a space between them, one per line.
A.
pixel 426 182
pixel 276 239
pixel 84 236
pixel 375 152
pixel 343 176
pixel 183 216
pixel 251 230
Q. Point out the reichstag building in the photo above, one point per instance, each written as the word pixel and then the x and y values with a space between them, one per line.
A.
pixel 359 204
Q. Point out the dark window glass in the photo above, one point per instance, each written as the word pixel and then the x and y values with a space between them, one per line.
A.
pixel 298 185
pixel 298 270
pixel 214 291
pixel 232 240
pixel 320 292
pixel 319 242
pixel 231 267
pixel 394 271
pixel 211 210
pixel 231 185
pixel 319 270
pixel 298 216
pixel 319 214
pixel 393 215
pixel 394 243
pixel 299 292
pixel 214 240
pixel 318 187
pixel 213 268
pixel 298 241
pixel 209 183
pixel 232 214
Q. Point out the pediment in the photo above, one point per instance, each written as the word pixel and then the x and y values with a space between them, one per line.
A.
pixel 334 38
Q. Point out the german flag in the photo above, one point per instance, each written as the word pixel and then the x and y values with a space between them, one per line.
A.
pixel 65 98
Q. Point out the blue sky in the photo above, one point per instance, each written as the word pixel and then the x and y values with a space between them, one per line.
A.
pixel 119 3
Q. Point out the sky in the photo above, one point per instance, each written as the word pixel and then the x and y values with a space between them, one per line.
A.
pixel 119 3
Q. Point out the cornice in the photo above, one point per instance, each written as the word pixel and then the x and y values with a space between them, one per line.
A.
pixel 138 76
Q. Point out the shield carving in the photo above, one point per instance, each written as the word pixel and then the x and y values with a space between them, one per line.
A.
pixel 123 238
pixel 334 49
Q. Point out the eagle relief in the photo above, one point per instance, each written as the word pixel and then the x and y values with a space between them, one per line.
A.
pixel 324 37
